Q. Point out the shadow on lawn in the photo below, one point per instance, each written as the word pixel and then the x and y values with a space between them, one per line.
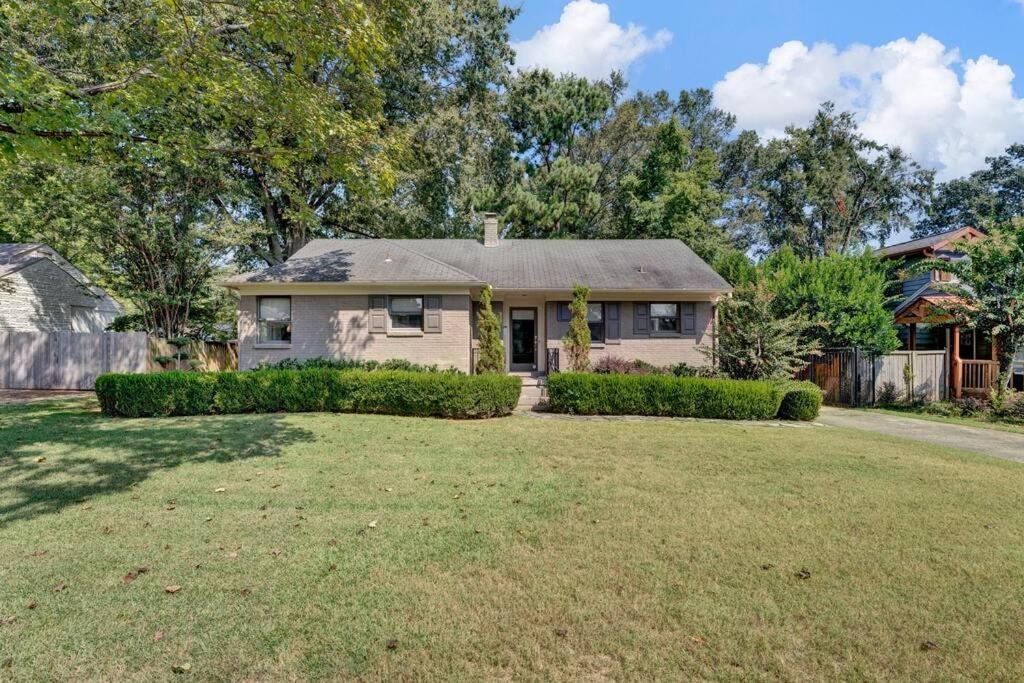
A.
pixel 87 454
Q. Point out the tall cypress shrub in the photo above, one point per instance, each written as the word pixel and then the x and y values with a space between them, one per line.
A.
pixel 492 351
pixel 577 341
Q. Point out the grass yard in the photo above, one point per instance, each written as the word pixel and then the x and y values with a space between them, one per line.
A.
pixel 334 546
pixel 983 422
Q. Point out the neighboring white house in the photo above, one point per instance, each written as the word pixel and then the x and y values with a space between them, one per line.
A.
pixel 42 292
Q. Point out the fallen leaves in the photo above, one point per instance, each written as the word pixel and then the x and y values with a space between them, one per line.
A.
pixel 32 604
pixel 929 645
pixel 182 668
pixel 172 589
pixel 373 524
pixel 392 644
pixel 4 621
pixel 60 587
pixel 275 551
pixel 158 636
pixel 220 490
pixel 245 592
pixel 803 574
pixel 561 632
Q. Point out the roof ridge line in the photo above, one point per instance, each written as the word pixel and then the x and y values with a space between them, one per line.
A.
pixel 476 278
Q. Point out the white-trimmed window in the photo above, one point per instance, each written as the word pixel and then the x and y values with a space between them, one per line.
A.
pixel 406 312
pixel 664 317
pixel 275 319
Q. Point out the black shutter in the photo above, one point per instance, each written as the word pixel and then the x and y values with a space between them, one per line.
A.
pixel 432 314
pixel 612 326
pixel 378 315
pixel 689 312
pixel 641 318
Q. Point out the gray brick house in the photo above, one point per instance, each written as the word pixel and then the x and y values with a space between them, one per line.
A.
pixel 416 299
pixel 41 292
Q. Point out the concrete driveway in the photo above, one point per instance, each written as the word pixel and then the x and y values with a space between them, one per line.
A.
pixel 1006 445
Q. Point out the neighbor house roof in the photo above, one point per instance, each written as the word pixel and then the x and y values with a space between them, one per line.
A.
pixel 932 243
pixel 19 255
pixel 513 264
pixel 15 256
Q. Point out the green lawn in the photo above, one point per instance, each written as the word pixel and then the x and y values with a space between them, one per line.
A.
pixel 511 548
pixel 982 422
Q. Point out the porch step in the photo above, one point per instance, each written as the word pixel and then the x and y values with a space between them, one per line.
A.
pixel 534 393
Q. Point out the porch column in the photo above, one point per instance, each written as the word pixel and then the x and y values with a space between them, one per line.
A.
pixel 957 382
pixel 912 342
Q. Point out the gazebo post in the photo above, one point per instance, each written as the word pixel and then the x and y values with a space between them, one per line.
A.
pixel 957 372
pixel 912 342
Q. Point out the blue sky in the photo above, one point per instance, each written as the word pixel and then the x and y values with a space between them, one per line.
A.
pixel 944 79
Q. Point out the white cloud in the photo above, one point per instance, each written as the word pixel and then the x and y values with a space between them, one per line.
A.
pixel 586 42
pixel 949 114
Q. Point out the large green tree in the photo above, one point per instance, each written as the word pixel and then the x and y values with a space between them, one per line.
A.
pixel 993 195
pixel 318 106
pixel 843 295
pixel 827 188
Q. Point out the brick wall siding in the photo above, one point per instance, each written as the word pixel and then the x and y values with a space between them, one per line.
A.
pixel 335 326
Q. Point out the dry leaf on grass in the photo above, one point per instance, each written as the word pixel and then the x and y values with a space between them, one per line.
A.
pixel 60 587
pixel 158 636
pixel 32 604
pixel 172 589
pixel 220 490
pixel 929 645
pixel 275 551
pixel 392 644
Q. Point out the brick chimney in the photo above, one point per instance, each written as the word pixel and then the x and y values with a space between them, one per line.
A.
pixel 490 229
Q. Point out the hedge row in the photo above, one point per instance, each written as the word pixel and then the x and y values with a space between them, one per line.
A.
pixel 729 399
pixel 297 391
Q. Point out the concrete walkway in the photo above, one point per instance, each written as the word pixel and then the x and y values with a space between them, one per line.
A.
pixel 1006 445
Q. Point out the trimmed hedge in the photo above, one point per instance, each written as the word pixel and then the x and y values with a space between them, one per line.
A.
pixel 297 391
pixel 800 401
pixel 730 399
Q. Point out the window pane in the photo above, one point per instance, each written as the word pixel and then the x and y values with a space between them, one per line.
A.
pixel 595 313
pixel 275 308
pixel 666 310
pixel 407 304
pixel 406 312
pixel 275 331
pixel 664 317
pixel 523 314
pixel 596 331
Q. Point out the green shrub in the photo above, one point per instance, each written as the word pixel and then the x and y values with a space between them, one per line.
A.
pixel 800 401
pixel 393 392
pixel 352 364
pixel 593 394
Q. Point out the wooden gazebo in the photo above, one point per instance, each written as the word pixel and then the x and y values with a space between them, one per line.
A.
pixel 972 376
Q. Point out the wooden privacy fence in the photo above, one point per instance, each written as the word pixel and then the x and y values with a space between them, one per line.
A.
pixel 851 378
pixel 73 360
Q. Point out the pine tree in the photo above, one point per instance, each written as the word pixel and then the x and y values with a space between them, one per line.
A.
pixel 577 341
pixel 492 351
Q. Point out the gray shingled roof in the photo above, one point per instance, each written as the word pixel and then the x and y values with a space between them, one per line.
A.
pixel 514 264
